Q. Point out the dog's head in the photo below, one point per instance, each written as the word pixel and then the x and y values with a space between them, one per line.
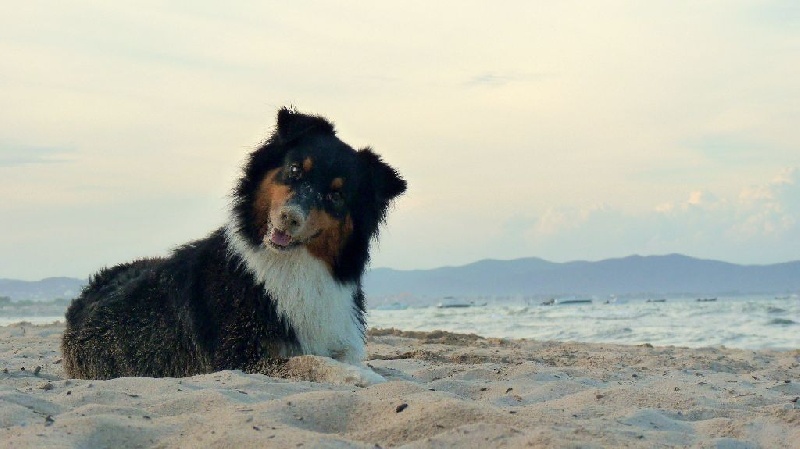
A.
pixel 306 190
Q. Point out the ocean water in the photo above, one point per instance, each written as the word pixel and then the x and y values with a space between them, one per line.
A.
pixel 5 320
pixel 735 322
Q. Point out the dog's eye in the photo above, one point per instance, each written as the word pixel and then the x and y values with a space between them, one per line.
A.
pixel 294 171
pixel 335 197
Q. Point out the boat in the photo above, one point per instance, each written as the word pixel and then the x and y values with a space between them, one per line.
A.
pixel 450 302
pixel 657 300
pixel 573 301
pixel 453 305
pixel 566 301
pixel 706 299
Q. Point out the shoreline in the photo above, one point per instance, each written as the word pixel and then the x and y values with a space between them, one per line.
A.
pixel 443 390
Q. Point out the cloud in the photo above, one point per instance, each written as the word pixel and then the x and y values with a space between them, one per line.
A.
pixel 789 176
pixel 759 225
pixel 16 155
pixel 491 79
pixel 697 200
pixel 771 209
pixel 764 212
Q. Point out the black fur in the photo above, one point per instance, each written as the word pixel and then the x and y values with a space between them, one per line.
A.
pixel 200 309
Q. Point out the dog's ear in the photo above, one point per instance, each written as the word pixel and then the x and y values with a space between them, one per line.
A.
pixel 385 180
pixel 293 124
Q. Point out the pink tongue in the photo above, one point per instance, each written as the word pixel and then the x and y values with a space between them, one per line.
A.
pixel 280 238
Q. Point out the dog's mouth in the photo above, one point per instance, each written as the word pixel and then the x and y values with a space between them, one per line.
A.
pixel 283 241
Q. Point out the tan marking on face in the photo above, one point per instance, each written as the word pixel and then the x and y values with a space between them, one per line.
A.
pixel 308 164
pixel 333 235
pixel 269 196
pixel 337 184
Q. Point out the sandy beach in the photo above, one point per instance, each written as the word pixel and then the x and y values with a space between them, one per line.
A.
pixel 443 390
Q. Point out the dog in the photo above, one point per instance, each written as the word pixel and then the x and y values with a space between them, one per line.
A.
pixel 281 279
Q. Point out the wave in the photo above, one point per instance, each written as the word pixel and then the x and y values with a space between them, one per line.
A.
pixel 775 310
pixel 781 322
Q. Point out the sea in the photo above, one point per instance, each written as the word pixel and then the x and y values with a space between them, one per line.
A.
pixel 745 322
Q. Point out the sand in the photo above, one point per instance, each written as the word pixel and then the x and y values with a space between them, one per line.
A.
pixel 443 390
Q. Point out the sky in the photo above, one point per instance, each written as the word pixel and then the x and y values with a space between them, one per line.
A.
pixel 563 130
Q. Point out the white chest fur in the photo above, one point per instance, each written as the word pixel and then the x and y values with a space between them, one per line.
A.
pixel 319 309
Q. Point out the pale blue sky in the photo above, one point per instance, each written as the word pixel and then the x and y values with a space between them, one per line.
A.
pixel 563 130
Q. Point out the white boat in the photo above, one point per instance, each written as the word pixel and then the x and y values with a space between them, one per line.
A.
pixel 450 302
pixel 566 301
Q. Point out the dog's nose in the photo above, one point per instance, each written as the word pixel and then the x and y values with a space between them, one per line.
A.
pixel 292 218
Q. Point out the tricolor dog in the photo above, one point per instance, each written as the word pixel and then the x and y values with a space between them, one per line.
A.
pixel 281 279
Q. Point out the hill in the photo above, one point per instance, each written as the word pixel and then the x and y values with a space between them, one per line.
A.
pixel 670 274
pixel 45 290
pixel 656 275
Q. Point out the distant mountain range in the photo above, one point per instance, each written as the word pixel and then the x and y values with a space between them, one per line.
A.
pixel 657 275
pixel 651 275
pixel 45 290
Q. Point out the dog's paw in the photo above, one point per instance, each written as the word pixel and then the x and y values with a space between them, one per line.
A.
pixel 314 368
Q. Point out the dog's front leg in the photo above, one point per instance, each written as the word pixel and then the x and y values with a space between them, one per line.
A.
pixel 314 368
